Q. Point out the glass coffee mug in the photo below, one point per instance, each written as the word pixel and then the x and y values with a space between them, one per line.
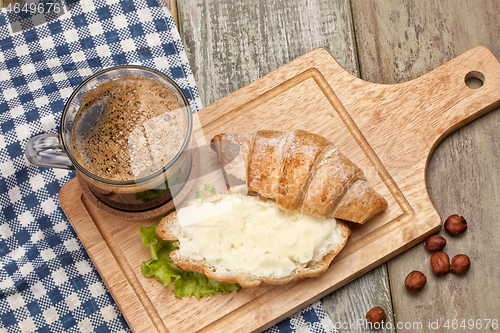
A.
pixel 127 132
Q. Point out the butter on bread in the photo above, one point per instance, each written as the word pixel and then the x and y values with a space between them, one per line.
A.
pixel 235 238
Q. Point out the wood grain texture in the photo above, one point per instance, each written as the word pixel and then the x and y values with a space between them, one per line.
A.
pixel 401 40
pixel 231 43
pixel 351 302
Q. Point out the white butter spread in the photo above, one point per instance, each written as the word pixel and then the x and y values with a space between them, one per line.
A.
pixel 247 235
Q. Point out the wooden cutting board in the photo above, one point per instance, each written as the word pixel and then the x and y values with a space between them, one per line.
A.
pixel 390 131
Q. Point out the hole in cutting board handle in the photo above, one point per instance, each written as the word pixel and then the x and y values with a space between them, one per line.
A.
pixel 474 80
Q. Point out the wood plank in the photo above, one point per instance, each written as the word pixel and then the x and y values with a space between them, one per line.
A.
pixel 172 7
pixel 351 302
pixel 398 41
pixel 230 44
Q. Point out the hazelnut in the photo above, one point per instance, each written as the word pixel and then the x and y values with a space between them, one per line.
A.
pixel 376 315
pixel 440 263
pixel 455 224
pixel 435 243
pixel 415 281
pixel 460 264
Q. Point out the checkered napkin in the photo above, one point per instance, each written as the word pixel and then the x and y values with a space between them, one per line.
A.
pixel 47 281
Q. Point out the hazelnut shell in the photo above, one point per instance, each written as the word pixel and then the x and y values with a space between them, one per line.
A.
pixel 435 243
pixel 376 315
pixel 440 263
pixel 455 224
pixel 415 281
pixel 460 264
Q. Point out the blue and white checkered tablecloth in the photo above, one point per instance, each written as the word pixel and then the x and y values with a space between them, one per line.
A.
pixel 47 281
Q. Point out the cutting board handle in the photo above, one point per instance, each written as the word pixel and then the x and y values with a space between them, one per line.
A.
pixel 449 103
pixel 413 117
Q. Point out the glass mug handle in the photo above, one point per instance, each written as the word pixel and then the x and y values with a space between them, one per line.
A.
pixel 46 150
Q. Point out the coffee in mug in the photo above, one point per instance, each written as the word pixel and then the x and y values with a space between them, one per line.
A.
pixel 127 132
pixel 128 129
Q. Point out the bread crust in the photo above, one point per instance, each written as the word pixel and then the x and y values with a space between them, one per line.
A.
pixel 298 158
pixel 331 177
pixel 232 152
pixel 266 164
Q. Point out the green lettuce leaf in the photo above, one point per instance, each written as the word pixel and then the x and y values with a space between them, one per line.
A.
pixel 152 194
pixel 210 190
pixel 161 266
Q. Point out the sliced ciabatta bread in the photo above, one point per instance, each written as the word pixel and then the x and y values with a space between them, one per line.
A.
pixel 235 238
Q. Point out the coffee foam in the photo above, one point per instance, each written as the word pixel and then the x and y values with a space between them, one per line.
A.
pixel 141 128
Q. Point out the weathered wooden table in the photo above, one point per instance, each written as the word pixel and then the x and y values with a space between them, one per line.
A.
pixel 231 43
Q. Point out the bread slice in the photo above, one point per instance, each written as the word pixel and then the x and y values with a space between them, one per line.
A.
pixel 235 238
